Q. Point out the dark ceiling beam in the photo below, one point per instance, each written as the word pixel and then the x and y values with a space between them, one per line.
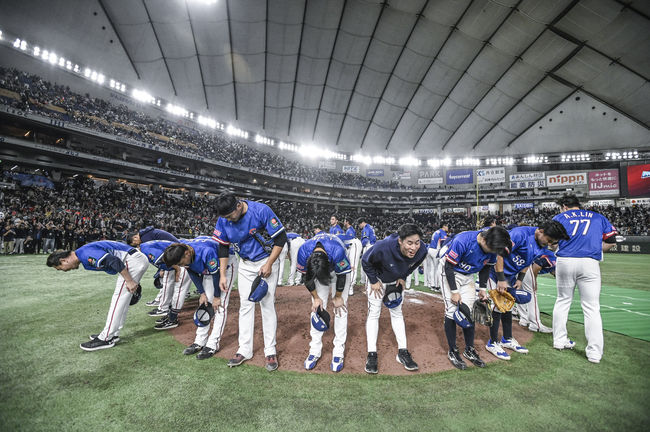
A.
pixel 329 65
pixel 628 6
pixel 383 7
pixel 295 78
pixel 513 9
pixel 266 62
pixel 612 60
pixel 433 60
pixel 126 51
pixel 381 97
pixel 198 57
pixel 155 34
pixel 552 71
pixel 232 60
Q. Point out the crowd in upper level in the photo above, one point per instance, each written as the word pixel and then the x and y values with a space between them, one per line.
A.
pixel 30 92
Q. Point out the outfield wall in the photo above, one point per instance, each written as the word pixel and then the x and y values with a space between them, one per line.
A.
pixel 633 245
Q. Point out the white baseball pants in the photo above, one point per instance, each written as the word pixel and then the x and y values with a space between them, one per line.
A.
pixel 294 276
pixel 324 292
pixel 372 323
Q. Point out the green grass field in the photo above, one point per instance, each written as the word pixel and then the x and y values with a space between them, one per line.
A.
pixel 144 383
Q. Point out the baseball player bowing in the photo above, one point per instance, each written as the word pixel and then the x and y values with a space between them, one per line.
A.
pixel 467 253
pixel 243 223
pixel 437 240
pixel 510 271
pixel 324 262
pixel 578 263
pixel 175 283
pixel 388 263
pixel 200 256
pixel 529 312
pixel 295 241
pixel 353 245
pixel 368 239
pixel 164 297
pixel 113 258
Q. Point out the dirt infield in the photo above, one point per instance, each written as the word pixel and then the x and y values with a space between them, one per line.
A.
pixel 423 315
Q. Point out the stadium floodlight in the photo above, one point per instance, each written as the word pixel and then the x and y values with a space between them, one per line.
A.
pixel 61 62
pixel 0 34
pixel 111 83
pixel 468 162
pixel 409 161
pixel 87 72
pixel 100 79
pixel 45 54
pixel 53 58
pixel 37 51
pixel 140 95
pixel 76 68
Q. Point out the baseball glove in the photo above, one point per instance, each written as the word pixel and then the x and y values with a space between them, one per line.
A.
pixel 481 313
pixel 504 302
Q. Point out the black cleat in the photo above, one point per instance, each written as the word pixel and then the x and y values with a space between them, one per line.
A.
pixel 471 355
pixel 206 353
pixel 192 349
pixel 371 363
pixel 96 344
pixel 454 358
pixel 404 357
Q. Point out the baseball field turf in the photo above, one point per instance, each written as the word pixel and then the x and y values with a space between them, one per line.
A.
pixel 144 383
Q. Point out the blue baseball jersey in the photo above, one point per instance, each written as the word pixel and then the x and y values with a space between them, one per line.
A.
pixel 523 252
pixel 334 248
pixel 150 233
pixel 93 255
pixel 437 239
pixel 587 230
pixel 466 254
pixel 247 234
pixel 385 262
pixel 349 235
pixel 154 251
pixel 546 260
pixel 336 229
pixel 368 235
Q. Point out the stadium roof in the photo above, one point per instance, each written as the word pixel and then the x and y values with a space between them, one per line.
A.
pixel 405 77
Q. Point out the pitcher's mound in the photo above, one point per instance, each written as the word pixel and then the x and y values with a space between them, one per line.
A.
pixel 423 315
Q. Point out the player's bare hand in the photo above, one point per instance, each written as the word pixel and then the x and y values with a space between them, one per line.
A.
pixel 401 283
pixel 265 270
pixel 377 290
pixel 131 286
pixel 223 285
pixel 216 304
pixel 502 286
pixel 455 298
pixel 203 299
pixel 517 285
pixel 339 306
pixel 316 303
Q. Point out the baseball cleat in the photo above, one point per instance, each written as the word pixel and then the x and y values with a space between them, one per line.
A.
pixel 206 353
pixel 237 360
pixel 271 363
pixel 404 357
pixel 371 363
pixel 157 312
pixel 524 322
pixel 166 325
pixel 568 345
pixel 454 358
pixel 311 361
pixel 542 328
pixel 351 292
pixel 162 319
pixel 192 349
pixel 337 364
pixel 512 344
pixel 96 344
pixel 114 339
pixel 496 349
pixel 470 354
pixel 153 303
pixel 593 360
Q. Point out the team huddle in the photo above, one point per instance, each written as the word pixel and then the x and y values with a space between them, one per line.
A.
pixel 250 243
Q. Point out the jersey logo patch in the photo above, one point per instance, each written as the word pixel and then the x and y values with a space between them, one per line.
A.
pixel 341 265
pixel 151 257
pixel 92 261
pixel 453 254
pixel 212 265
pixel 216 233
pixel 274 222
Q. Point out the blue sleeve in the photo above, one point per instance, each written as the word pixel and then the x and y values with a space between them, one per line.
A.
pixel 198 281
pixel 341 262
pixel 455 252
pixel 367 261
pixel 271 222
pixel 219 234
pixel 112 263
pixel 373 238
pixel 301 264
pixel 215 284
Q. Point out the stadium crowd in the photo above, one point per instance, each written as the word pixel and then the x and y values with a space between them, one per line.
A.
pixel 31 93
pixel 81 210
